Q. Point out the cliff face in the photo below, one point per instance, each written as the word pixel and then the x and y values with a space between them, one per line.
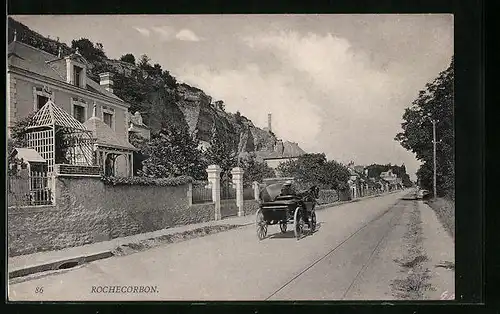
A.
pixel 163 102
pixel 204 118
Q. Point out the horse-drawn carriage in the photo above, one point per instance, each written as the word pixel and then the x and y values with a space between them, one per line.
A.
pixel 282 204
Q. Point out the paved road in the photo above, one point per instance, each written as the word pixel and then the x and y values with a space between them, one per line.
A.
pixel 334 263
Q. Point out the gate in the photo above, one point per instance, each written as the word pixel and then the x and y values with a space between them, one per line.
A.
pixel 29 189
pixel 227 191
pixel 228 206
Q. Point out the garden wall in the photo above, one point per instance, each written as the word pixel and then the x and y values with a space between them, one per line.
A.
pixel 88 211
pixel 250 207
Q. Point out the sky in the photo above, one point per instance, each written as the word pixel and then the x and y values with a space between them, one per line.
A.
pixel 336 84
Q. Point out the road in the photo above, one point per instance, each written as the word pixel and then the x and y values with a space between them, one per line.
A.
pixel 350 256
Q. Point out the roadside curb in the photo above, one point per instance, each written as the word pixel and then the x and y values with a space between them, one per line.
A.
pixel 57 265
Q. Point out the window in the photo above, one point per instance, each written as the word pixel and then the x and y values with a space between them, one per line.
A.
pixel 41 101
pixel 108 116
pixel 77 76
pixel 108 119
pixel 79 113
pixel 40 97
pixel 79 109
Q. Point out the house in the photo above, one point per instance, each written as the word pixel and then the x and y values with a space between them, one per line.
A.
pixel 34 77
pixel 393 182
pixel 359 183
pixel 283 152
pixel 137 126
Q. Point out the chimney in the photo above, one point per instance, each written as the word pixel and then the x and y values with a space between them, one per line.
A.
pixel 269 122
pixel 106 81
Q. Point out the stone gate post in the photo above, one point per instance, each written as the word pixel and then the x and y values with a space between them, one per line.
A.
pixel 237 174
pixel 213 172
pixel 256 191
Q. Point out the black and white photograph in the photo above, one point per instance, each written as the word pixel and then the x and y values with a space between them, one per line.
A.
pixel 230 157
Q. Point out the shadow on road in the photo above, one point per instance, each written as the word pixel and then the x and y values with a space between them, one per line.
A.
pixel 291 235
pixel 286 235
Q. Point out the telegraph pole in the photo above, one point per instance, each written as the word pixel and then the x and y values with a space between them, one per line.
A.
pixel 434 155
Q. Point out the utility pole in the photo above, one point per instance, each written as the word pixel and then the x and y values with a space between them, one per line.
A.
pixel 434 149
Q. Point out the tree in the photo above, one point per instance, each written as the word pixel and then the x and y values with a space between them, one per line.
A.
pixel 172 152
pixel 221 152
pixel 100 47
pixel 12 161
pixel 18 131
pixel 219 104
pixel 255 170
pixel 314 169
pixel 140 143
pixel 144 62
pixel 435 102
pixel 129 58
pixel 87 49
pixel 17 139
pixel 157 70
pixel 334 176
pixel 238 118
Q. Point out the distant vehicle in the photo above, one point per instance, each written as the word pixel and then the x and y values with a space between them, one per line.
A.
pixel 423 194
pixel 282 205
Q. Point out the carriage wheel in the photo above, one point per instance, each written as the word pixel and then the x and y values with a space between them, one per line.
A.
pixel 283 226
pixel 312 225
pixel 298 223
pixel 261 225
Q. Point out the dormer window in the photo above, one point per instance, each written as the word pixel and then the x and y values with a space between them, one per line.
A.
pixel 77 76
pixel 76 68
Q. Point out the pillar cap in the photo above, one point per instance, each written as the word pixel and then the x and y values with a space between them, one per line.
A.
pixel 237 170
pixel 213 168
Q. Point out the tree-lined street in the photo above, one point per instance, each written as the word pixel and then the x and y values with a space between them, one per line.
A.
pixel 350 256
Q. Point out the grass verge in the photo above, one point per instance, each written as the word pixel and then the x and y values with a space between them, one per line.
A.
pixel 416 276
pixel 445 212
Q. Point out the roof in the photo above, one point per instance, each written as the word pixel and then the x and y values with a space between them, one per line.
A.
pixel 41 62
pixel 273 155
pixel 50 114
pixel 29 155
pixel 352 172
pixel 291 149
pixel 136 119
pixel 105 136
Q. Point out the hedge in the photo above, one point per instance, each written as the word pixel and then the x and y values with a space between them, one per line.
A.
pixel 328 196
pixel 174 181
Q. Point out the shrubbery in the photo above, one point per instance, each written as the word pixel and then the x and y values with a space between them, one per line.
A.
pixel 328 196
pixel 174 181
pixel 315 169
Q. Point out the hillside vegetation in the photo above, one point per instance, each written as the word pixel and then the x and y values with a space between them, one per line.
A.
pixel 156 94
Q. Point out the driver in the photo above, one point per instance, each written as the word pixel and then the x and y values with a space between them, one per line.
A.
pixel 286 189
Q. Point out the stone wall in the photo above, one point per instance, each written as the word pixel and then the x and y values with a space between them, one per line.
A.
pixel 77 169
pixel 88 211
pixel 250 207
